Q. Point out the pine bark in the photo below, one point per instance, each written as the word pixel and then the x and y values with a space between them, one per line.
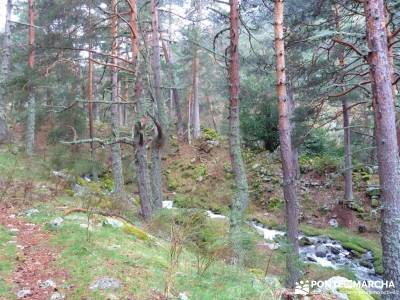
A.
pixel 240 198
pixel 388 160
pixel 31 112
pixel 286 148
pixel 115 148
pixel 180 126
pixel 348 168
pixel 195 95
pixel 160 137
pixel 144 186
pixel 195 76
pixel 141 162
pixel 90 106
pixel 5 68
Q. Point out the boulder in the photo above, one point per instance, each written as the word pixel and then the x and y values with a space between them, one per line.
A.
pixel 105 283
pixel 24 293
pixel 56 223
pixel 334 223
pixel 362 228
pixel 305 241
pixel 321 251
pixel 57 296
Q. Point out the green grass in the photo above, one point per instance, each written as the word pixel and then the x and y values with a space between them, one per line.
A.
pixel 350 241
pixel 15 166
pixel 141 266
pixel 7 262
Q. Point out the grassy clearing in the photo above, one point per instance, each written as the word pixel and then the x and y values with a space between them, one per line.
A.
pixel 141 265
pixel 7 262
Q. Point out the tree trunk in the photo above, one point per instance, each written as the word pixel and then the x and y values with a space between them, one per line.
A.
pixel 5 68
pixel 195 95
pixel 115 148
pixel 288 168
pixel 143 178
pixel 180 126
pixel 240 199
pixel 162 131
pixel 30 123
pixel 388 159
pixel 90 105
pixel 348 169
pixel 211 110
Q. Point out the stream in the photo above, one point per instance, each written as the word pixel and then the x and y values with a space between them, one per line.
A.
pixel 316 250
pixel 326 253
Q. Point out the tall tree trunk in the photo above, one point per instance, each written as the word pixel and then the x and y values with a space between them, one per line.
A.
pixel 388 159
pixel 90 115
pixel 5 68
pixel 348 169
pixel 31 113
pixel 211 109
pixel 90 104
pixel 160 137
pixel 142 167
pixel 195 95
pixel 180 126
pixel 195 75
pixel 288 168
pixel 189 112
pixel 115 148
pixel 141 162
pixel 240 199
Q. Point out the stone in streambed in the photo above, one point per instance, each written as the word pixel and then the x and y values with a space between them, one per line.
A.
pixel 321 251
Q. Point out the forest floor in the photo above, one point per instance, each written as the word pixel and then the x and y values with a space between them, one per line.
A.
pixel 70 260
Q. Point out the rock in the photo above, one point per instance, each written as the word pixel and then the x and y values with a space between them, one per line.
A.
pixel 167 204
pixel 105 283
pixel 373 190
pixel 31 212
pixel 47 284
pixel 374 203
pixel 24 293
pixel 334 223
pixel 367 264
pixel 114 223
pixel 57 296
pixel 200 179
pixel 255 166
pixel 324 209
pixel 56 223
pixel 183 296
pixel 305 241
pixel 335 250
pixel 79 191
pixel 310 258
pixel 330 287
pixel 321 251
pixel 64 175
pixel 362 228
pixel 212 215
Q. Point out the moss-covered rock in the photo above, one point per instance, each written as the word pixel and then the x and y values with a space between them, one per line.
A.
pixel 133 230
pixel 355 293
